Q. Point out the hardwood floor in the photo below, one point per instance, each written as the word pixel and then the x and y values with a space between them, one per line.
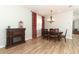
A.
pixel 43 46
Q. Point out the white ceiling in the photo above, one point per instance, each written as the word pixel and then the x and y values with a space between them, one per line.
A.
pixel 44 10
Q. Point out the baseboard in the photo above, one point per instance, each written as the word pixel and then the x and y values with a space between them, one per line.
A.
pixel 28 38
pixel 38 35
pixel 69 38
pixel 2 46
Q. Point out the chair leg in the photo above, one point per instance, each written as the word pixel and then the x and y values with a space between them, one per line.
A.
pixel 47 38
pixel 43 37
pixel 59 38
pixel 65 39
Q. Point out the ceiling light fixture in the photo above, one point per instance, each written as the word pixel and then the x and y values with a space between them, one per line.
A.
pixel 51 18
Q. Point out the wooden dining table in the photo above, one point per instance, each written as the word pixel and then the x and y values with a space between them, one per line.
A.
pixel 58 35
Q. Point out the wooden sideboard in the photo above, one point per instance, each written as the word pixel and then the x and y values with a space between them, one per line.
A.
pixel 14 36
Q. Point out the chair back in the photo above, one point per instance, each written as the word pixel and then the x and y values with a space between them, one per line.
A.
pixel 56 29
pixel 44 31
pixel 52 30
pixel 66 33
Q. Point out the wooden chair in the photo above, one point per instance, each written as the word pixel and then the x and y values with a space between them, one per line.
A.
pixel 64 36
pixel 52 34
pixel 56 29
pixel 45 33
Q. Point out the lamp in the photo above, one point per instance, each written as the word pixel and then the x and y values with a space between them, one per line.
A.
pixel 51 18
pixel 20 24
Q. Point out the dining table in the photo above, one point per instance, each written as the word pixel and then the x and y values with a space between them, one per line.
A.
pixel 55 34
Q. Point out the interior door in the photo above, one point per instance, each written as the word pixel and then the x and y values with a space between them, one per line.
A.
pixel 34 31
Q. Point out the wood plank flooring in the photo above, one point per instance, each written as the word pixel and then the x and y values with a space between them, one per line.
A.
pixel 43 46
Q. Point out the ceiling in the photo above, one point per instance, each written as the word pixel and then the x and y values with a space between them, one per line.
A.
pixel 44 10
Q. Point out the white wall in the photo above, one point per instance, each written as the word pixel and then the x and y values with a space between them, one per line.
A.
pixel 39 25
pixel 63 21
pixel 10 16
pixel 76 20
pixel 76 24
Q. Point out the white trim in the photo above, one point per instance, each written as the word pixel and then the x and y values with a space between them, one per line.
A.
pixel 2 46
pixel 69 37
pixel 38 35
pixel 28 38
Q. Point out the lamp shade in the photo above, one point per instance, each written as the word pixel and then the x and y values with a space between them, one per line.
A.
pixel 50 20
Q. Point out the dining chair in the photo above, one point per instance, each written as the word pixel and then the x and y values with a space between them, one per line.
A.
pixel 56 29
pixel 64 36
pixel 45 33
pixel 52 30
pixel 52 34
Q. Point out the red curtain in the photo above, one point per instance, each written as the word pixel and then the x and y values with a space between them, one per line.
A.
pixel 34 31
pixel 42 23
